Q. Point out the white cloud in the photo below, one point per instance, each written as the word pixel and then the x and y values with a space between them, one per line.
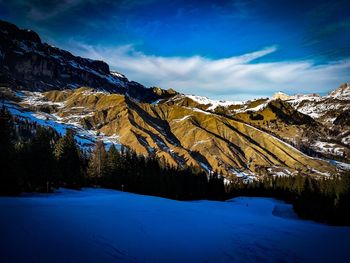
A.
pixel 228 78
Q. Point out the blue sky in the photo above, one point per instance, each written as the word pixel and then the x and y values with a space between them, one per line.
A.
pixel 220 49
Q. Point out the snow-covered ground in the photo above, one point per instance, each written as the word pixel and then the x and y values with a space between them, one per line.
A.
pixel 96 225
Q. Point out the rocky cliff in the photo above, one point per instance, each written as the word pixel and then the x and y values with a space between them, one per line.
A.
pixel 27 63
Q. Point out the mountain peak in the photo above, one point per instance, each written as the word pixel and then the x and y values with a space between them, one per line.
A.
pixel 342 91
pixel 29 64
pixel 14 32
pixel 281 95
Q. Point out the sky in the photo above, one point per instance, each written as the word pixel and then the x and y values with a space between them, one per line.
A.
pixel 225 49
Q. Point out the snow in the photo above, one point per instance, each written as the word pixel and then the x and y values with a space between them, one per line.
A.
pixel 182 119
pixel 246 108
pixel 342 92
pixel 94 92
pixel 281 95
pixel 200 142
pixel 214 103
pixel 117 74
pixel 346 140
pixel 156 102
pixel 320 173
pixel 259 107
pixel 85 138
pixel 327 147
pixel 198 110
pixel 279 171
pixel 246 176
pixel 37 99
pixel 340 165
pixel 318 107
pixel 97 225
pixel 205 167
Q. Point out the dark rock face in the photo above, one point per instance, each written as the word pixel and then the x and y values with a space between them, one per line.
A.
pixel 288 114
pixel 15 33
pixel 27 63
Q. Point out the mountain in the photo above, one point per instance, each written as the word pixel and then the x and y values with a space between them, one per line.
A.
pixel 280 95
pixel 27 63
pixel 250 139
pixel 317 125
pixel 182 135
pixel 343 92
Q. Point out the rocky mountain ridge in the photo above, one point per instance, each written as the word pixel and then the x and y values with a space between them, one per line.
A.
pixel 27 63
pixel 316 124
pixel 276 136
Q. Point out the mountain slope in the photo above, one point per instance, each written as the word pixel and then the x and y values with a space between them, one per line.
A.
pixel 181 135
pixel 239 139
pixel 27 63
pixel 318 125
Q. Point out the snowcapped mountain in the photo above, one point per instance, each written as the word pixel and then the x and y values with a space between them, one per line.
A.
pixel 280 95
pixel 323 108
pixel 282 135
pixel 343 92
pixel 213 104
pixel 183 135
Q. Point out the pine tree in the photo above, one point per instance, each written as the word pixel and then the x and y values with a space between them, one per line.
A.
pixel 216 186
pixel 97 170
pixel 113 166
pixel 41 165
pixel 8 180
pixel 68 160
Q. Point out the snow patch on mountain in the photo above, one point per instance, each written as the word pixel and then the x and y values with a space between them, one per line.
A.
pixel 86 139
pixel 327 147
pixel 37 99
pixel 343 92
pixel 182 119
pixel 213 103
pixel 280 95
pixel 246 175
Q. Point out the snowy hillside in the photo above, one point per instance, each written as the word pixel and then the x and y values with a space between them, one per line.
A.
pixel 85 138
pixel 322 108
pixel 96 225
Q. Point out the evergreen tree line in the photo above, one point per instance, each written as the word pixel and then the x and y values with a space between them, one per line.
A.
pixel 125 170
pixel 321 199
pixel 35 158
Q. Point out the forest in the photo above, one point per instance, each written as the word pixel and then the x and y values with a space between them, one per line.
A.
pixel 37 159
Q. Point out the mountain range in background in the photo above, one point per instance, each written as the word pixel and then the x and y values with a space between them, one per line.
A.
pixel 283 135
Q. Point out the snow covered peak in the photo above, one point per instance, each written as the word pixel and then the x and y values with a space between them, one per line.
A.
pixel 342 91
pixel 280 95
pixel 214 103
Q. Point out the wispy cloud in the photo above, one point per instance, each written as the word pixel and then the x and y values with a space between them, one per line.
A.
pixel 236 77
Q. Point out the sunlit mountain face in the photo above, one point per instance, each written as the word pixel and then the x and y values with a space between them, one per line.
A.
pixel 229 50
